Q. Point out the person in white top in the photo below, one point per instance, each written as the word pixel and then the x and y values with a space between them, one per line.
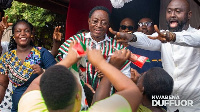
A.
pixel 180 52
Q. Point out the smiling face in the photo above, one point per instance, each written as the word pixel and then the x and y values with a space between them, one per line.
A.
pixel 178 15
pixel 98 24
pixel 22 34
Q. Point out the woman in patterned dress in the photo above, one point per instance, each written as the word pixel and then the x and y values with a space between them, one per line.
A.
pixel 23 63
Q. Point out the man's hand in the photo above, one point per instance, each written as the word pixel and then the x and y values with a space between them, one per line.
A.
pixel 100 74
pixel 119 57
pixel 56 34
pixel 123 37
pixel 37 69
pixel 71 58
pixel 94 56
pixel 164 36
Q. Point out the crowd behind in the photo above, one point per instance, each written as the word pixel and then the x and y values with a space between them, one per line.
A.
pixel 105 79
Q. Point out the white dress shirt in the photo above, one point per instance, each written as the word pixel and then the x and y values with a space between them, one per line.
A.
pixel 181 59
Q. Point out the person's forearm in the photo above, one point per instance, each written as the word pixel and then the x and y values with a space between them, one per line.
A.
pixel 188 38
pixel 144 42
pixel 67 62
pixel 2 92
pixel 3 85
pixel 103 90
pixel 56 45
pixel 116 77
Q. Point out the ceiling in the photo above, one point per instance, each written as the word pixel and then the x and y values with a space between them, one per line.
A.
pixel 57 6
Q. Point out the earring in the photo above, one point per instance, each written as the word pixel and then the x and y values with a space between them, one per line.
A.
pixel 13 37
pixel 31 36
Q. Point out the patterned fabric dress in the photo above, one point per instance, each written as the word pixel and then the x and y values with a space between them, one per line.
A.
pixel 21 74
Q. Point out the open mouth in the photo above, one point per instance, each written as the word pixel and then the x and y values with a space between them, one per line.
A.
pixel 173 24
pixel 23 39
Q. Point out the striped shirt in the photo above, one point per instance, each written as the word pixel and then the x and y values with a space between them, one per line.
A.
pixel 107 47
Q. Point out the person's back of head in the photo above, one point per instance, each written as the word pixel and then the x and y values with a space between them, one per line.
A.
pixel 157 82
pixel 58 87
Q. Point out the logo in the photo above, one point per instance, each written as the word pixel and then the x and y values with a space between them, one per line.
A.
pixel 165 100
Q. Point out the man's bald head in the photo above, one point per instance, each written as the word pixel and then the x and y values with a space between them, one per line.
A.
pixel 183 3
pixel 178 15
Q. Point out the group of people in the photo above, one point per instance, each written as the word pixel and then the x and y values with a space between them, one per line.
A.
pixel 43 82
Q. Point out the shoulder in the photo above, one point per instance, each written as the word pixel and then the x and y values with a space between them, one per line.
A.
pixel 32 101
pixel 119 104
pixel 142 108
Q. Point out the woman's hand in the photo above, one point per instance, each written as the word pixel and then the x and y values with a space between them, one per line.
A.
pixel 37 69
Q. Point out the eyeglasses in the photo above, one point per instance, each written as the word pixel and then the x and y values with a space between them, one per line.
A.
pixel 123 27
pixel 148 24
pixel 103 23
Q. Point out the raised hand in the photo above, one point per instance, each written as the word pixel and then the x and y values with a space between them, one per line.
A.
pixel 165 36
pixel 4 24
pixel 56 34
pixel 119 57
pixel 71 58
pixel 122 37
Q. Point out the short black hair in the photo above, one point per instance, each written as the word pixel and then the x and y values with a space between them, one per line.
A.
pixel 13 44
pixel 19 21
pixel 58 87
pixel 157 82
pixel 99 8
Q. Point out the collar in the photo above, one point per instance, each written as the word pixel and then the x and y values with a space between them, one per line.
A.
pixel 88 35
pixel 189 28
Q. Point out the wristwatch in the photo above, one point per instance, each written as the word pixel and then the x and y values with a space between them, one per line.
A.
pixel 134 39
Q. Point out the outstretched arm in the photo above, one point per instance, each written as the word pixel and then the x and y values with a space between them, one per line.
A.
pixel 103 90
pixel 138 40
pixel 123 84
